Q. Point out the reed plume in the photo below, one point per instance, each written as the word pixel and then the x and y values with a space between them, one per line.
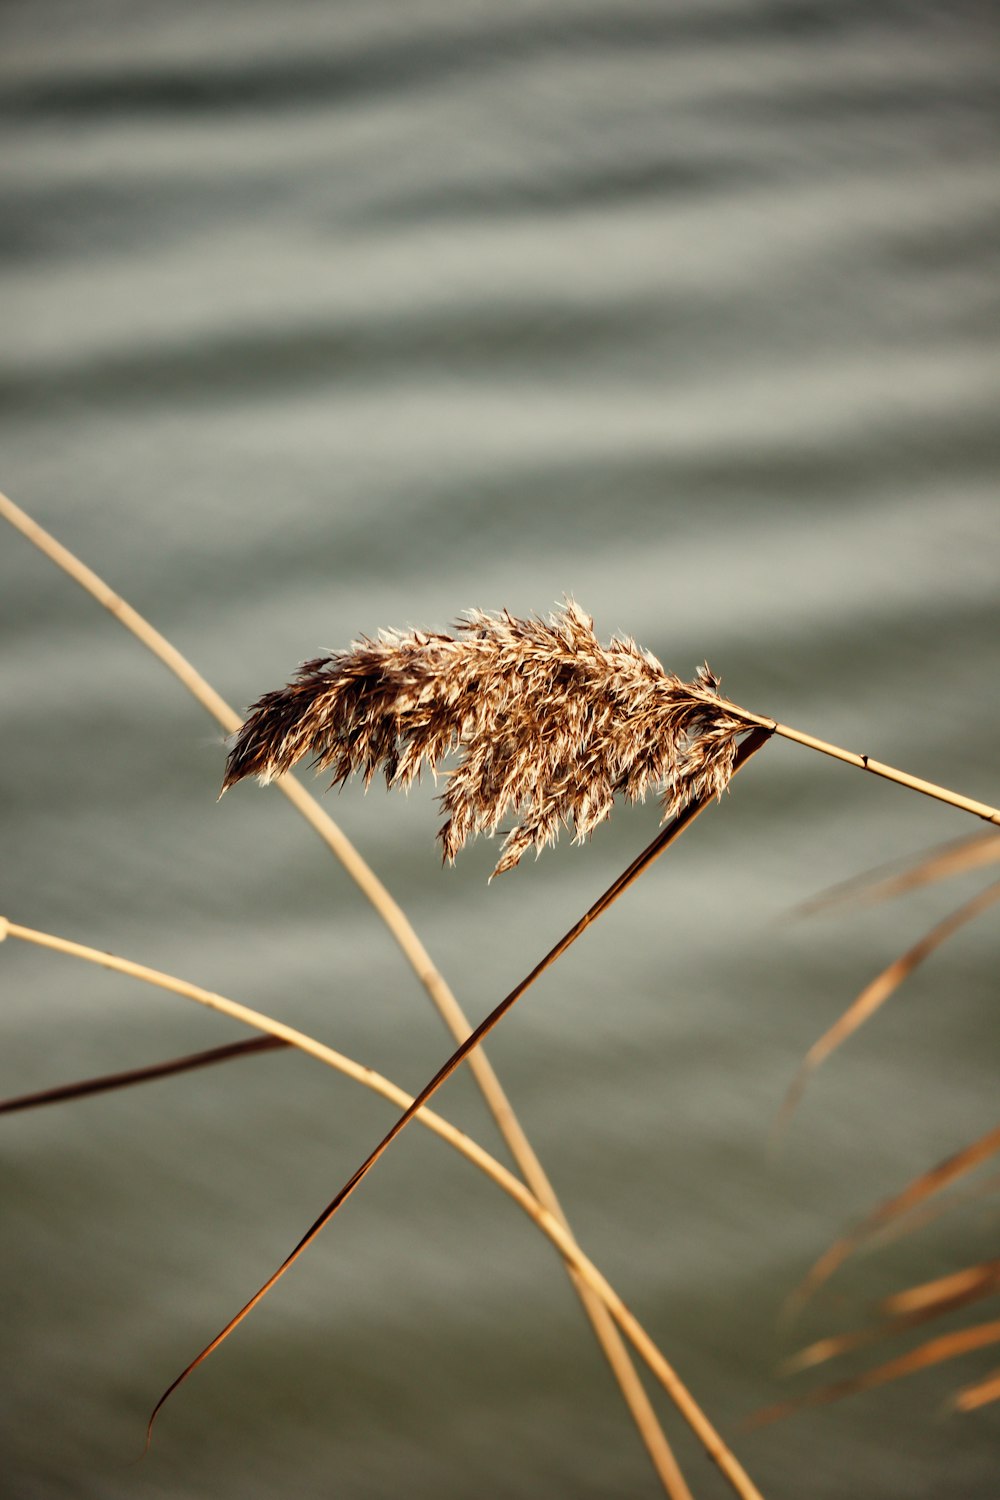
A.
pixel 544 723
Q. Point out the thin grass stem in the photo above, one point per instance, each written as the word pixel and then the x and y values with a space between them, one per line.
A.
pixel 971 1397
pixel 876 767
pixel 899 876
pixel 912 1196
pixel 547 1222
pixel 945 1347
pixel 750 746
pixel 903 1311
pixel 874 995
pixel 108 1082
pixel 406 938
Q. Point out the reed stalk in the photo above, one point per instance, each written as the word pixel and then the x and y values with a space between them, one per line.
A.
pixel 545 723
pixel 876 767
pixel 570 1251
pixel 542 722
pixel 402 931
pixel 107 1082
pixel 664 839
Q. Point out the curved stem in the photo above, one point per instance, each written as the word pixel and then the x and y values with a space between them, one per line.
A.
pixel 560 1237
pixel 412 948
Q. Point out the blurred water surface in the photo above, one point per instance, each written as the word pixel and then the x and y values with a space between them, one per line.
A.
pixel 321 318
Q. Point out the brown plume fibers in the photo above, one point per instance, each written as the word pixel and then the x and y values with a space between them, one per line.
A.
pixel 543 722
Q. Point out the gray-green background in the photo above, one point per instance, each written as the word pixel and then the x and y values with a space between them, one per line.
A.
pixel 320 318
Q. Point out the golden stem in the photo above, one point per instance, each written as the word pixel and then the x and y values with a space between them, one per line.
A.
pixel 415 953
pixel 877 767
pixel 547 1222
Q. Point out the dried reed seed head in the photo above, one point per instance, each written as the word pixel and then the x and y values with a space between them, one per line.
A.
pixel 543 722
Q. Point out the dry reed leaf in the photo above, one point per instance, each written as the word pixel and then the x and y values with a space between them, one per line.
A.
pixel 971 1397
pixel 107 1082
pixel 916 1191
pixel 831 1347
pixel 555 1230
pixel 877 993
pixel 543 723
pixel 903 1310
pixel 945 1292
pixel 957 857
pixel 928 1213
pixel 935 1351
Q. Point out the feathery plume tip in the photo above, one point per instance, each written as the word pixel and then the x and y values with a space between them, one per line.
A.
pixel 541 720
